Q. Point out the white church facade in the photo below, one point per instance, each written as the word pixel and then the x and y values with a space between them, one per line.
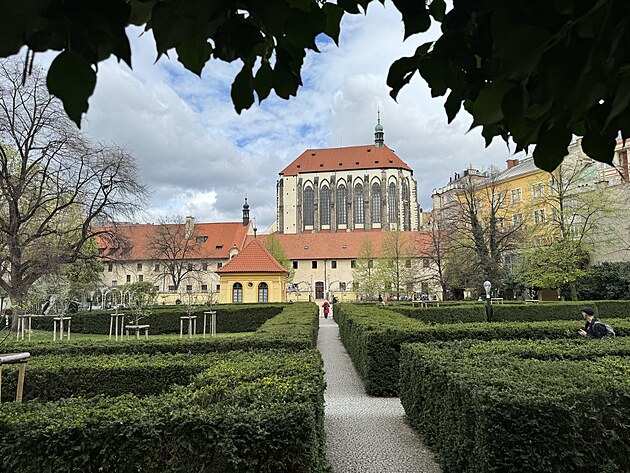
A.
pixel 345 189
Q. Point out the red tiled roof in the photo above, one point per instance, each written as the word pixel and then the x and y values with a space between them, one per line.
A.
pixel 132 243
pixel 344 159
pixel 342 245
pixel 254 258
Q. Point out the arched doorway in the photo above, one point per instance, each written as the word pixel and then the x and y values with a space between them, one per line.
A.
pixel 319 290
pixel 237 293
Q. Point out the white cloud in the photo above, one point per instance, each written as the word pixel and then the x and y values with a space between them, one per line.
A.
pixel 199 157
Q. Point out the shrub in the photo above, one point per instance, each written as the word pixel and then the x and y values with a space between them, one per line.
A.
pixel 373 338
pixel 165 319
pixel 258 412
pixel 445 315
pixel 491 407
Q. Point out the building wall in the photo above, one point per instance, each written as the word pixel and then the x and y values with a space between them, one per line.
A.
pixel 276 283
pixel 290 200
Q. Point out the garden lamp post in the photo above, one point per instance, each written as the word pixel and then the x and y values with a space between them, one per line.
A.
pixel 91 293
pixel 487 285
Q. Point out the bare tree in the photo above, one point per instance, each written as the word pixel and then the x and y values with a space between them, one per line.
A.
pixel 481 229
pixel 436 249
pixel 365 273
pixel 55 185
pixel 396 269
pixel 174 244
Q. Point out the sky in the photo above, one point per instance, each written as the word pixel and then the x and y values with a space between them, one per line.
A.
pixel 198 157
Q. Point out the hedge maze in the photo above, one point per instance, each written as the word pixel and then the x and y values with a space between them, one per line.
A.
pixel 521 393
pixel 254 403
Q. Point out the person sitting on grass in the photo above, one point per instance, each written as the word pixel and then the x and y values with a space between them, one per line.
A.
pixel 593 328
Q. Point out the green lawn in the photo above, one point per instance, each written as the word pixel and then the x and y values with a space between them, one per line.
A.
pixel 41 335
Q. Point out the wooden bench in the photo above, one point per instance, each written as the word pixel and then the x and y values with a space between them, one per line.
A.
pixel 61 320
pixel 15 359
pixel 192 325
pixel 137 329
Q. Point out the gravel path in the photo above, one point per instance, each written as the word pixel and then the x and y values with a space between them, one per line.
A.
pixel 365 434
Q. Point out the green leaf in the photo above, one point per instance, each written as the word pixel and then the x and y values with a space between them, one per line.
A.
pixel 452 105
pixel 194 53
pixel 72 79
pixel 600 148
pixel 333 21
pixel 263 81
pixel 351 6
pixel 551 148
pixel 415 16
pixel 437 9
pixel 487 108
pixel 621 99
pixel 242 90
pixel 403 69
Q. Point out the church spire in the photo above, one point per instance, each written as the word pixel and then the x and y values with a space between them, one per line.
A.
pixel 245 213
pixel 379 139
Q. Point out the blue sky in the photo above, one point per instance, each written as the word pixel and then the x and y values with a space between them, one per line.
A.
pixel 198 157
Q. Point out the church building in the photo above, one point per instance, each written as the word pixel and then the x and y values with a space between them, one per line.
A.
pixel 345 189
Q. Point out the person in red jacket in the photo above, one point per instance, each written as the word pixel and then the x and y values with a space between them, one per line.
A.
pixel 326 309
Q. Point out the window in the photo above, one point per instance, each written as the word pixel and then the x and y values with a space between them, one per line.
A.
pixel 333 264
pixel 353 263
pixel 219 265
pixel 376 203
pixel 358 204
pixel 201 239
pixel 370 263
pixel 218 287
pixel 114 283
pixel 157 268
pixel 538 189
pixel 314 264
pixel 218 247
pixel 157 288
pixel 139 266
pixel 342 216
pixel 393 204
pixel 342 286
pixel 308 206
pixel 424 287
pixel 425 262
pixel 190 266
pixel 188 287
pixel 172 288
pixel 204 266
pixel 324 206
pixel 516 195
pixel 517 219
pixel 263 292
pixel 295 265
pixel 237 293
pixel 497 199
pixel 128 277
pixel 140 278
pixel 408 263
pixel 204 288
pixel 110 267
pixel 539 216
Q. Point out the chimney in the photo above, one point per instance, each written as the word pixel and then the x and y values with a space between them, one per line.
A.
pixel 512 162
pixel 190 227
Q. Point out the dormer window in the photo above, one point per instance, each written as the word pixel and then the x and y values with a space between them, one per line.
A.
pixel 218 247
pixel 201 239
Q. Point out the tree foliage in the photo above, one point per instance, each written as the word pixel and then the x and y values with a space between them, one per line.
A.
pixel 395 270
pixel 274 247
pixel 534 72
pixel 365 273
pixel 55 185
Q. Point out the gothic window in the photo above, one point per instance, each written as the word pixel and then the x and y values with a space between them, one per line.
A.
pixel 358 203
pixel 342 216
pixel 308 206
pixel 406 209
pixel 324 206
pixel 263 292
pixel 376 203
pixel 393 204
pixel 237 293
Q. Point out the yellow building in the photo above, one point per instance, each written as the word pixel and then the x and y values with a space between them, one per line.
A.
pixel 253 275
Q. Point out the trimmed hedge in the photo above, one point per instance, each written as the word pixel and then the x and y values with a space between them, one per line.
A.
pixel 490 407
pixel 251 412
pixel 55 377
pixel 515 312
pixel 294 328
pixel 165 319
pixel 373 338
